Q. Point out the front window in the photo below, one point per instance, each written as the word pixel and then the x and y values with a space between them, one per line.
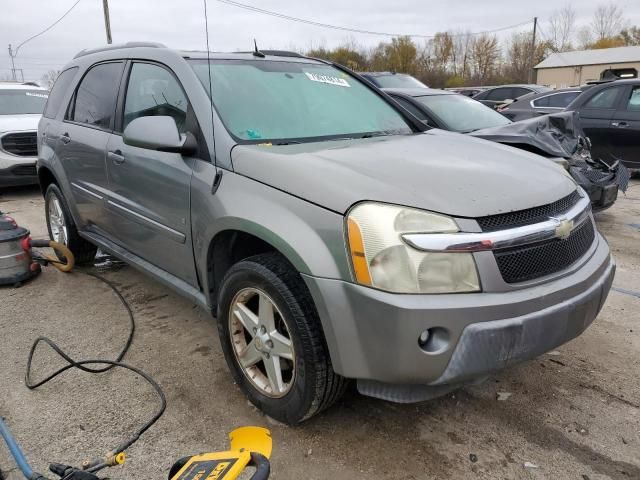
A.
pixel 461 113
pixel 397 80
pixel 261 101
pixel 22 102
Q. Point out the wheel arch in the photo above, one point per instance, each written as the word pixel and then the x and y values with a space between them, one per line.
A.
pixel 236 242
pixel 45 178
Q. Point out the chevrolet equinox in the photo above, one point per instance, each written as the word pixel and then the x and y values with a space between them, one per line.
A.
pixel 332 234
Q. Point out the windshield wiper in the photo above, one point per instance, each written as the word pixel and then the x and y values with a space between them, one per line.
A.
pixel 375 134
pixel 287 142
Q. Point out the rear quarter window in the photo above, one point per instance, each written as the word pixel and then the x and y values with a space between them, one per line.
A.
pixel 58 92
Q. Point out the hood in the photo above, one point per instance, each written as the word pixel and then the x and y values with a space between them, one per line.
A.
pixel 438 171
pixel 555 135
pixel 19 123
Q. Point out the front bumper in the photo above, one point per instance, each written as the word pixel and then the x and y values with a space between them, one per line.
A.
pixel 17 171
pixel 373 335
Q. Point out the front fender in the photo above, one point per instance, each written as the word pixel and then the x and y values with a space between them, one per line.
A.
pixel 309 236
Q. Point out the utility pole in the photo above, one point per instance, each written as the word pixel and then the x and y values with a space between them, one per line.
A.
pixel 107 22
pixel 533 49
pixel 13 65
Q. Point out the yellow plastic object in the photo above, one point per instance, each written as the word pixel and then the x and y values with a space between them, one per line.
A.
pixel 252 439
pixel 63 252
pixel 228 465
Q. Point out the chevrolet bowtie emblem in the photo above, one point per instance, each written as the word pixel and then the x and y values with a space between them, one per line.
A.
pixel 564 228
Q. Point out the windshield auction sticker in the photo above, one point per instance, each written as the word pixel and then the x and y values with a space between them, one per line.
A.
pixel 34 94
pixel 339 82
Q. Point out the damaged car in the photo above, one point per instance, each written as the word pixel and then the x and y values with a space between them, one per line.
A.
pixel 557 136
pixel 333 235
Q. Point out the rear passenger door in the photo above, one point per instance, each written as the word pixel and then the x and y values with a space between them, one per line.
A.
pixel 625 128
pixel 149 200
pixel 596 114
pixel 83 136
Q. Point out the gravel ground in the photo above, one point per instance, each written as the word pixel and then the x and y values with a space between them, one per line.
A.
pixel 572 414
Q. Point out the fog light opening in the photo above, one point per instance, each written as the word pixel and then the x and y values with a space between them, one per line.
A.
pixel 434 340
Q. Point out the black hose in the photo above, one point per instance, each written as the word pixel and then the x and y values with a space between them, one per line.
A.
pixel 103 462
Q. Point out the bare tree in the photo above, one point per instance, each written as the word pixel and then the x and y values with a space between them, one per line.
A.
pixel 48 79
pixel 485 57
pixel 561 28
pixel 608 20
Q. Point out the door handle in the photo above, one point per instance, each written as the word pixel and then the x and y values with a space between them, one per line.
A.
pixel 116 157
pixel 619 124
pixel 65 138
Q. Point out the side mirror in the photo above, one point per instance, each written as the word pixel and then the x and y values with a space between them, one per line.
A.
pixel 159 133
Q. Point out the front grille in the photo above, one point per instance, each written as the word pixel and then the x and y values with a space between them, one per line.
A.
pixel 24 170
pixel 24 144
pixel 529 216
pixel 520 264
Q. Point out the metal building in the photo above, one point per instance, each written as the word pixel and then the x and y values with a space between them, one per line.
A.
pixel 568 69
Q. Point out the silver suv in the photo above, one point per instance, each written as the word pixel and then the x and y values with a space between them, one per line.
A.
pixel 330 234
pixel 20 108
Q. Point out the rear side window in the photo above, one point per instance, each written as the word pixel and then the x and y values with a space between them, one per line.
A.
pixel 558 100
pixel 153 90
pixel 541 102
pixel 562 100
pixel 500 94
pixel 518 92
pixel 95 99
pixel 604 99
pixel 58 92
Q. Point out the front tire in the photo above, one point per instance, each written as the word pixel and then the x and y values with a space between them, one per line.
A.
pixel 273 341
pixel 62 228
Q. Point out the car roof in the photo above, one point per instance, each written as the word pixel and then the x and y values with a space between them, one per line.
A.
pixel 531 86
pixel 131 49
pixel 418 92
pixel 19 86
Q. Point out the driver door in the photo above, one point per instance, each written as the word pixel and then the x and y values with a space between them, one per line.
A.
pixel 149 200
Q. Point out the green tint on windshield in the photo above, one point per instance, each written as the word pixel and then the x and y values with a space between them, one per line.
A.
pixel 462 114
pixel 266 100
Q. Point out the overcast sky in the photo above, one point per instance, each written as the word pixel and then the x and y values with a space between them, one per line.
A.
pixel 180 24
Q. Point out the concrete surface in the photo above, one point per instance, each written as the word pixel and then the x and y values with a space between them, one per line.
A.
pixel 573 414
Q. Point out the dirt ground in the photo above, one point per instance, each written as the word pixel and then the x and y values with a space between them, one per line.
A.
pixel 572 414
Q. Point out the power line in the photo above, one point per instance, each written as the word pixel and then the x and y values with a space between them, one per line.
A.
pixel 15 53
pixel 356 30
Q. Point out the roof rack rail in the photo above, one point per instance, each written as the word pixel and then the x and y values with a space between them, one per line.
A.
pixel 88 51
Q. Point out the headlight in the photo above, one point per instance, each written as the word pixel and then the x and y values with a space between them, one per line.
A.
pixel 381 259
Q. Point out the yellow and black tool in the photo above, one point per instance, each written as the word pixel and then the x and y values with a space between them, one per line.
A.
pixel 249 447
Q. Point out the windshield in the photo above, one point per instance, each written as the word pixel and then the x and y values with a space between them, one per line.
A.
pixel 260 100
pixel 20 102
pixel 397 80
pixel 462 114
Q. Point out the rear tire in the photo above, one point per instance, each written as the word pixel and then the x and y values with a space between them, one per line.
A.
pixel 63 229
pixel 309 384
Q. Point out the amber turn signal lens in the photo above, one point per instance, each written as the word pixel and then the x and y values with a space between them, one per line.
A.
pixel 358 258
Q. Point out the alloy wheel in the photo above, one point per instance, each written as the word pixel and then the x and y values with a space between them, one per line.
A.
pixel 261 342
pixel 56 221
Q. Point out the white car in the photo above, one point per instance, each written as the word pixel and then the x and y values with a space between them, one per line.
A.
pixel 21 106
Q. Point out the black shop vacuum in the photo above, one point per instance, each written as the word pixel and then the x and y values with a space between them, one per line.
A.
pixel 249 446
